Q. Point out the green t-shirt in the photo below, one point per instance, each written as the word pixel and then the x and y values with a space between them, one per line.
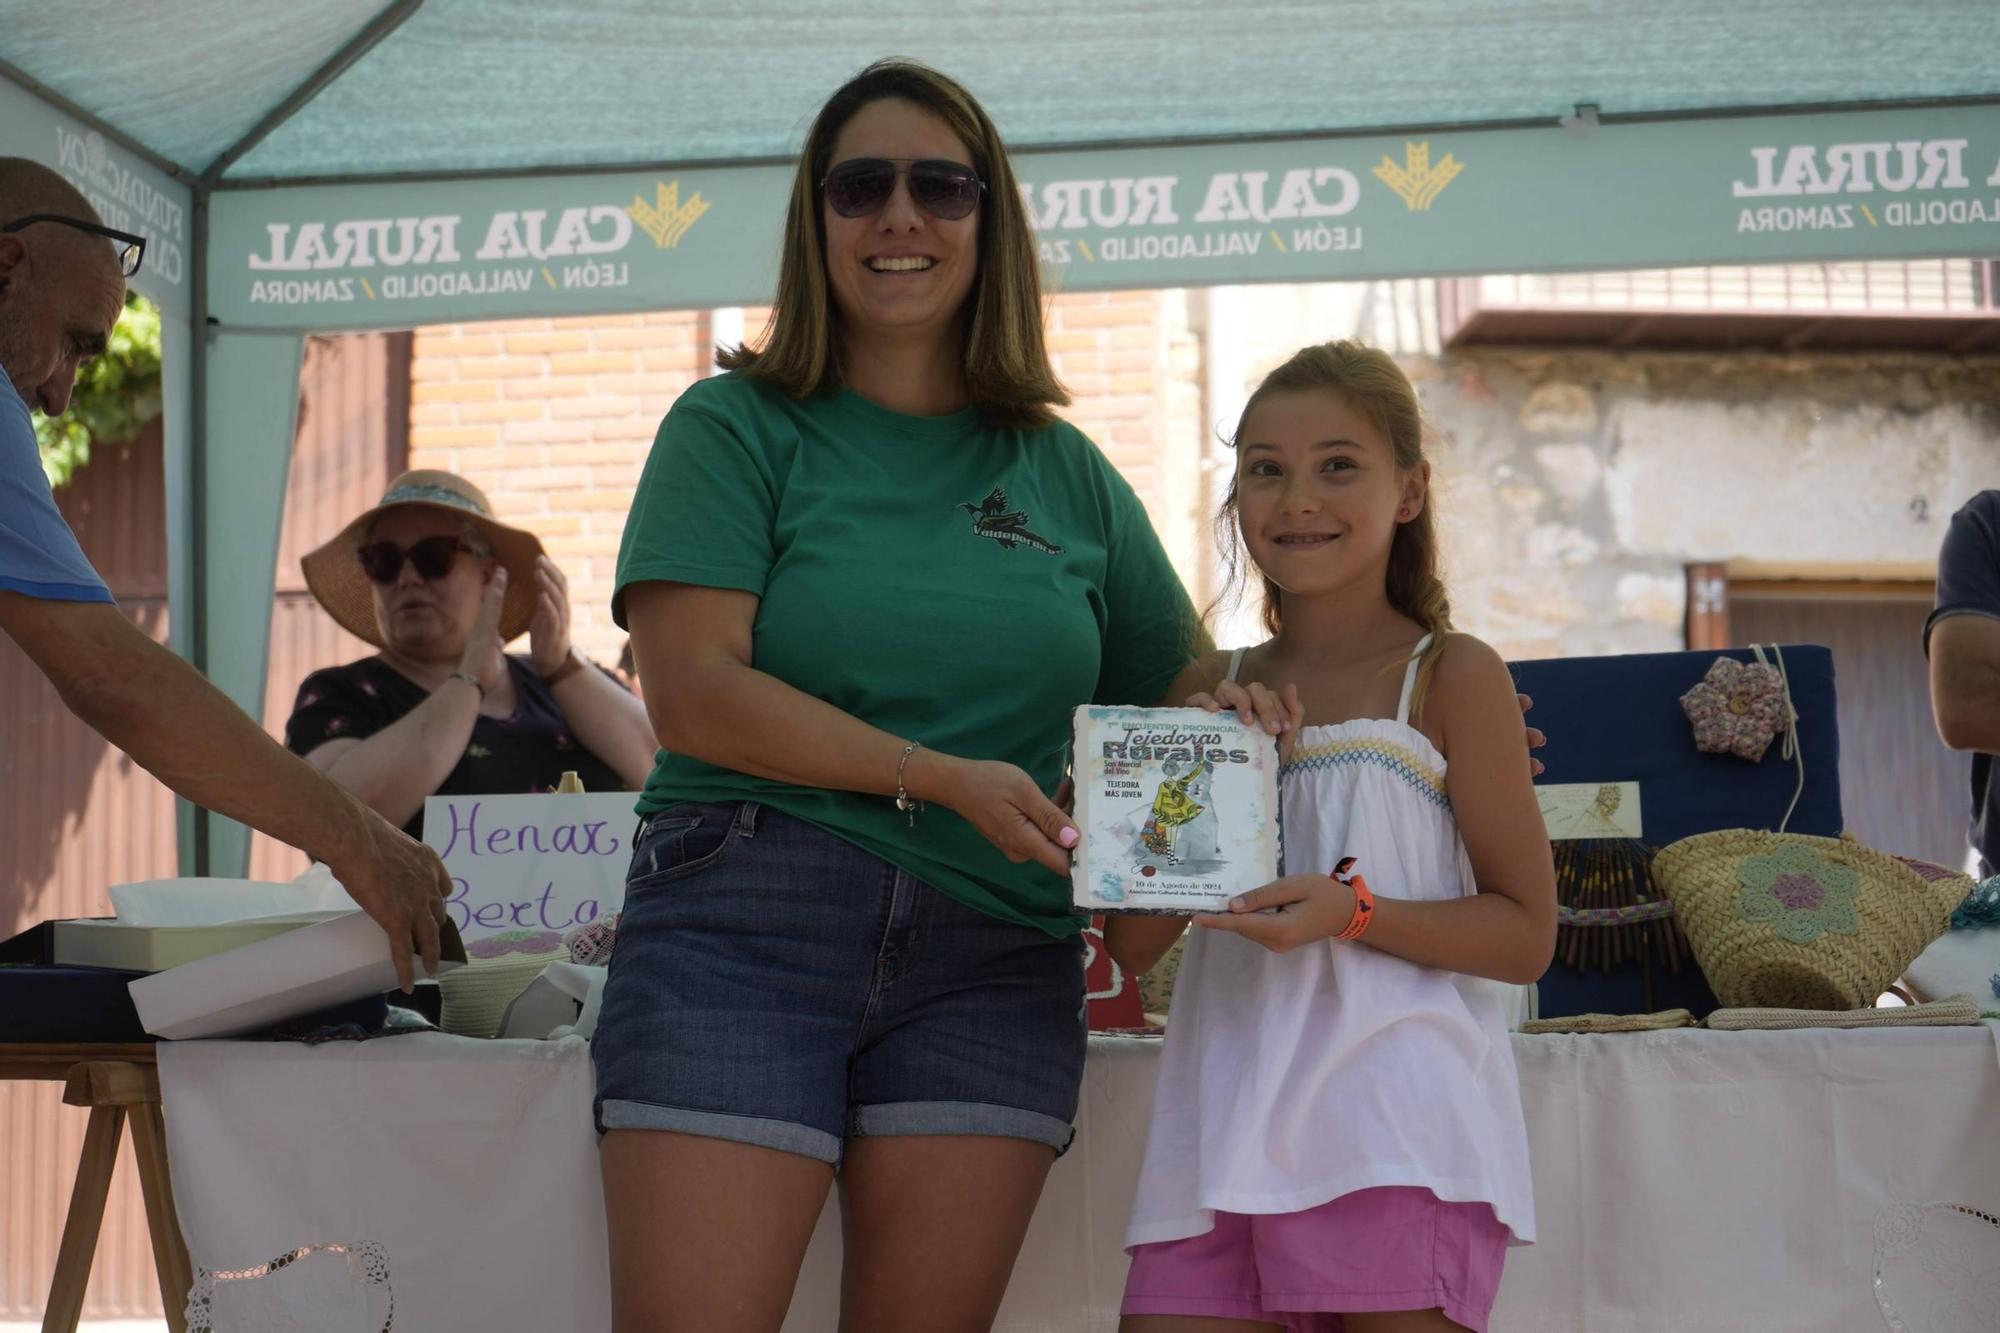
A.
pixel 937 577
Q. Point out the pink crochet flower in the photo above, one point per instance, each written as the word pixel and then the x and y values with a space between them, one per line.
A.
pixel 1737 708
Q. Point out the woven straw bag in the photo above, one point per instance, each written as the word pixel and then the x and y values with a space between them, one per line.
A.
pixel 1784 920
pixel 498 968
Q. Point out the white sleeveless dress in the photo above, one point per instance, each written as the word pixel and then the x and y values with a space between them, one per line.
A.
pixel 1290 1080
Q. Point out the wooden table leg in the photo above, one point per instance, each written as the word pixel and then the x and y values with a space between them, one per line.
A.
pixel 111 1088
pixel 170 1256
pixel 85 1220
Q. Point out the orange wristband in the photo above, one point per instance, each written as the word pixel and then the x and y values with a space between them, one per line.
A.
pixel 1364 908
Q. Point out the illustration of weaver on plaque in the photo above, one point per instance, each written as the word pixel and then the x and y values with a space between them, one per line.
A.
pixel 1178 806
pixel 1182 827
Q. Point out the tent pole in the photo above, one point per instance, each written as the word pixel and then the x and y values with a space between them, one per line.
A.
pixel 198 480
pixel 360 45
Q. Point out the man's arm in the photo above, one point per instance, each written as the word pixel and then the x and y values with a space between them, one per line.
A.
pixel 1962 635
pixel 185 732
pixel 1965 682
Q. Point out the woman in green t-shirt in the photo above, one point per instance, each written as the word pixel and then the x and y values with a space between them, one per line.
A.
pixel 868 574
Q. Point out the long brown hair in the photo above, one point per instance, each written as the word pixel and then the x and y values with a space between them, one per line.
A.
pixel 1006 361
pixel 1370 381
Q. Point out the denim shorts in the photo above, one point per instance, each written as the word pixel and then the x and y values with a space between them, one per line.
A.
pixel 774 984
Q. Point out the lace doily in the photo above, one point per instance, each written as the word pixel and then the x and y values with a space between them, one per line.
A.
pixel 367 1266
pixel 1937 1268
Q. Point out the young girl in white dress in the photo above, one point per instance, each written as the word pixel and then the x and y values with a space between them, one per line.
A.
pixel 1337 1139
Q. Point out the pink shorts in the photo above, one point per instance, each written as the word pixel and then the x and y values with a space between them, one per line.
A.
pixel 1395 1248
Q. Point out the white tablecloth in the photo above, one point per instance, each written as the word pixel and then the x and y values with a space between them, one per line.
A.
pixel 1959 962
pixel 1683 1180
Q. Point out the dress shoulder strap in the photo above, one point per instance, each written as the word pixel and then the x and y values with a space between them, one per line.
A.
pixel 1410 678
pixel 1235 664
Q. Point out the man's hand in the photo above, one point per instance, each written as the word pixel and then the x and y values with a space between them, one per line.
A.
pixel 185 732
pixel 402 884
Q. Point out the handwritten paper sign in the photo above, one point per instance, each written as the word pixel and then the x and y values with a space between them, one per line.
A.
pixel 543 862
pixel 554 862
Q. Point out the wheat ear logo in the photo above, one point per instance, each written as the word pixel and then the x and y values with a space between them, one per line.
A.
pixel 1416 178
pixel 667 219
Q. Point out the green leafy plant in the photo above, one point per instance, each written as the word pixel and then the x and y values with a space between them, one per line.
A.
pixel 117 394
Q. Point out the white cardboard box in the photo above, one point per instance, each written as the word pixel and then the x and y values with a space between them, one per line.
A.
pixel 226 994
pixel 93 942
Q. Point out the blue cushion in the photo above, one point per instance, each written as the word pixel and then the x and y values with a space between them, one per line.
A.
pixel 68 1004
pixel 1619 719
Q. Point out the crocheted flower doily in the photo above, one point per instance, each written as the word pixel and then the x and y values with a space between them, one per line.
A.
pixel 1737 708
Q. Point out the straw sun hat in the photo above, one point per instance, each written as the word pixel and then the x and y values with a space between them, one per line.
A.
pixel 333 572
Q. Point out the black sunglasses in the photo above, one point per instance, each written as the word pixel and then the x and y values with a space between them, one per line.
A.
pixel 131 249
pixel 861 185
pixel 433 557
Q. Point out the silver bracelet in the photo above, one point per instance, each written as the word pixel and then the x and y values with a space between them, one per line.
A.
pixel 904 801
pixel 471 680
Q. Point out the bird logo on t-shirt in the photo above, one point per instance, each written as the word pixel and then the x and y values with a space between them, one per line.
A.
pixel 992 518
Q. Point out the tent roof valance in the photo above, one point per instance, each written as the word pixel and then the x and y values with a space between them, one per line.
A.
pixel 244 91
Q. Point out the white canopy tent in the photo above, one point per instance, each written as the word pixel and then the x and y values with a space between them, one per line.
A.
pixel 351 164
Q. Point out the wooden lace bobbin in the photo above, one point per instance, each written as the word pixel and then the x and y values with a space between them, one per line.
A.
pixel 1610 912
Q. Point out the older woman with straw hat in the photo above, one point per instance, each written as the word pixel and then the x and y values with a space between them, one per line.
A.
pixel 440 587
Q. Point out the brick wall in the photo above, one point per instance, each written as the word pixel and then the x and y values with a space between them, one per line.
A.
pixel 1563 530
pixel 1133 369
pixel 554 417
